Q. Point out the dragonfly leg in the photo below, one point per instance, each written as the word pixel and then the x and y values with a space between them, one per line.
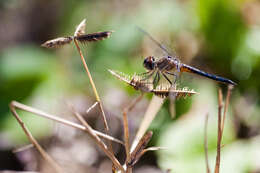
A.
pixel 148 76
pixel 166 78
pixel 145 73
pixel 175 75
pixel 170 73
pixel 156 79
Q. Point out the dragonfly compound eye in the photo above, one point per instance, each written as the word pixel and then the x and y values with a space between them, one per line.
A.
pixel 149 63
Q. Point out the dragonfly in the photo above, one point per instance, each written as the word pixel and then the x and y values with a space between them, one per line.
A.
pixel 164 66
pixel 162 90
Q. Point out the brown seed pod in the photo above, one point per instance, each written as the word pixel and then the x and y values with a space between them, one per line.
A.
pixel 57 42
pixel 93 37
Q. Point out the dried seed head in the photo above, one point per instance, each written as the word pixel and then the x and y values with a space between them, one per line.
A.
pixel 135 81
pixel 57 42
pixel 138 84
pixel 80 30
pixel 121 76
pixel 164 92
pixel 93 37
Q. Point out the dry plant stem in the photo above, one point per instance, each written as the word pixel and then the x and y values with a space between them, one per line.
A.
pixel 126 135
pixel 100 143
pixel 220 106
pixel 126 127
pixel 230 87
pixel 95 92
pixel 23 148
pixel 60 120
pixel 139 149
pixel 206 143
pixel 90 108
pixel 18 172
pixel 150 113
pixel 44 154
pixel 91 82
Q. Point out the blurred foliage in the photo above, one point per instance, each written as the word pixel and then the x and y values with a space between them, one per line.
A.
pixel 218 36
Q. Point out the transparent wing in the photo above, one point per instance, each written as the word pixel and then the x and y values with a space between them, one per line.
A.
pixel 165 49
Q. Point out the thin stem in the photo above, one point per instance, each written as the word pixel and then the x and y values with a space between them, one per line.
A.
pixel 126 127
pixel 44 154
pixel 220 106
pixel 92 84
pixel 91 107
pixel 60 120
pixel 23 148
pixel 88 72
pixel 230 87
pixel 126 135
pixel 98 141
pixel 206 143
pixel 95 92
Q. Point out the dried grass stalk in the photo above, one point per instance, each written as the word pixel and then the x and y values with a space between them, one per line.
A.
pixel 60 120
pixel 98 141
pixel 220 106
pixel 27 132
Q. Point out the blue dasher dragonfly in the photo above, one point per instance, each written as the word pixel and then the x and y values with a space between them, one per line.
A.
pixel 164 66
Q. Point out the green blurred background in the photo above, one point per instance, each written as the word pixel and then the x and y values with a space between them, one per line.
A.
pixel 218 36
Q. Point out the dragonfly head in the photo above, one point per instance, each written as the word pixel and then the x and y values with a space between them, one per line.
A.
pixel 149 63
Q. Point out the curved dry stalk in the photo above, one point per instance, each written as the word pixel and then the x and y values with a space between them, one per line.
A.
pixel 61 120
pixel 98 141
pixel 44 154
